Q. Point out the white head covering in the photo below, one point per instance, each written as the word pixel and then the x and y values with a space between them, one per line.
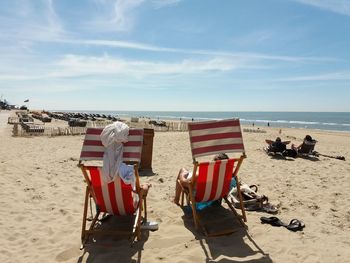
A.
pixel 112 137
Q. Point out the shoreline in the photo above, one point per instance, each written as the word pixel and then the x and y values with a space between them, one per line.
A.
pixel 172 122
pixel 247 118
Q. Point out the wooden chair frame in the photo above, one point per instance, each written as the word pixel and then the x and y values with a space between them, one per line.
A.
pixel 93 150
pixel 188 189
pixel 89 193
pixel 203 144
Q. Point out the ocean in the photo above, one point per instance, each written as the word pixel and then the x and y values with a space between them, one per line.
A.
pixel 331 121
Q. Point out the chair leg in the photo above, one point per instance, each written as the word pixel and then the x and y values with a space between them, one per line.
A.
pixel 182 197
pixel 241 200
pixel 83 228
pixel 84 231
pixel 193 205
pixel 136 230
pixel 145 207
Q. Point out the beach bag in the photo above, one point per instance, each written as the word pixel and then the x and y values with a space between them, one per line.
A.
pixel 290 153
pixel 252 201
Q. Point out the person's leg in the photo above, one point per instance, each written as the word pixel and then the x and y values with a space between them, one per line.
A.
pixel 183 173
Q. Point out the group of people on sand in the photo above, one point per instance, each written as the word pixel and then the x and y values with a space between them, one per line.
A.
pixel 279 146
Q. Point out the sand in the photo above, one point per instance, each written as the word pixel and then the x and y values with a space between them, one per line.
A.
pixel 42 192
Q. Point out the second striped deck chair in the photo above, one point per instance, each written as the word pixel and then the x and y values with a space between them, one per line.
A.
pixel 213 178
pixel 114 198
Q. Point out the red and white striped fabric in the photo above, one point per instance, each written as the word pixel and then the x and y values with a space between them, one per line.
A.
pixel 214 179
pixel 93 148
pixel 115 198
pixel 212 137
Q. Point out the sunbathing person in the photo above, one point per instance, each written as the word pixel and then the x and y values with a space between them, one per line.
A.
pixel 306 147
pixel 185 176
pixel 276 146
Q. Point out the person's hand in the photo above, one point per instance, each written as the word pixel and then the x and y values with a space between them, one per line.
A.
pixel 144 189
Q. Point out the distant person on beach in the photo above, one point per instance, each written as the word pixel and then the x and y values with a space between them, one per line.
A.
pixel 268 124
pixel 253 124
pixel 185 176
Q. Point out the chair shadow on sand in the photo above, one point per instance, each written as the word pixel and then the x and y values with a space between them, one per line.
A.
pixel 106 248
pixel 306 157
pixel 312 158
pixel 278 156
pixel 281 157
pixel 237 247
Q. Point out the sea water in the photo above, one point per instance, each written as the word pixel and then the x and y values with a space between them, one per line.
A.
pixel 334 121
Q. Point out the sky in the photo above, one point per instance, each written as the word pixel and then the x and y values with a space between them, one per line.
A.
pixel 176 55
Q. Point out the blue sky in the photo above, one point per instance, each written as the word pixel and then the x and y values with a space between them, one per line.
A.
pixel 195 55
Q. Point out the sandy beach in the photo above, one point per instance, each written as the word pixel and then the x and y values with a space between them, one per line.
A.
pixel 41 203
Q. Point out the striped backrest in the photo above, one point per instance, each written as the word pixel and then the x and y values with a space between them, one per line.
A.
pixel 115 198
pixel 212 137
pixel 94 150
pixel 214 180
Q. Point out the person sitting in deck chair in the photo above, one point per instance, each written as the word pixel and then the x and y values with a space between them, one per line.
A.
pixel 184 177
pixel 306 147
pixel 276 146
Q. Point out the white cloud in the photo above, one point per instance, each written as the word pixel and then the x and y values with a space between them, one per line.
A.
pixel 334 76
pixel 336 6
pixel 123 18
pixel 163 3
pixel 31 22
pixel 52 17
pixel 121 15
pixel 255 37
pixel 237 55
pixel 76 66
pixel 116 15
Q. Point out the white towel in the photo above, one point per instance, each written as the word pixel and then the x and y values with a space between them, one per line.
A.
pixel 112 137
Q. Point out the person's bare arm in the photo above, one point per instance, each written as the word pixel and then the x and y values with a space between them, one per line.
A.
pixel 269 142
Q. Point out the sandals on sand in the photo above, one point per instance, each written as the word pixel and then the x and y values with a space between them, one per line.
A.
pixel 262 205
pixel 294 225
pixel 269 208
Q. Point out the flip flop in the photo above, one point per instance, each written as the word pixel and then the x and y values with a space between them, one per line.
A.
pixel 295 225
pixel 268 208
pixel 274 221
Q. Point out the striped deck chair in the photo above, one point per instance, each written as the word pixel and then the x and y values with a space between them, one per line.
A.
pixel 307 147
pixel 114 198
pixel 214 177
